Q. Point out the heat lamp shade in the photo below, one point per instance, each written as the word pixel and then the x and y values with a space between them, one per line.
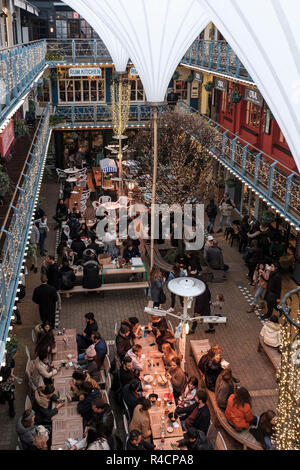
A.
pixel 118 54
pixel 156 34
pixel 266 37
pixel 186 286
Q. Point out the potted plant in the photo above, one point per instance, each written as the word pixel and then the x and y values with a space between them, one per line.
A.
pixel 20 127
pixel 235 96
pixel 54 120
pixel 4 182
pixel 268 217
pixel 74 136
pixel 209 86
pixel 54 56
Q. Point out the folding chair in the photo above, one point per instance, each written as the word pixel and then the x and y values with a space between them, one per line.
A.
pixel 33 336
pixel 106 396
pixel 28 404
pixel 115 424
pixel 96 205
pixel 27 353
pixel 106 365
pixel 116 328
pixel 108 383
pixel 170 326
pixel 125 423
pixel 104 199
pixel 127 414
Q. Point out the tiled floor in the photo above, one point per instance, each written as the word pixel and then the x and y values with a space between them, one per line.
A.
pixel 238 338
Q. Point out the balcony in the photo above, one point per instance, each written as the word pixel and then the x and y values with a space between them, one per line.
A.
pixel 77 51
pixel 218 57
pixel 20 69
pixel 99 116
pixel 269 179
pixel 16 226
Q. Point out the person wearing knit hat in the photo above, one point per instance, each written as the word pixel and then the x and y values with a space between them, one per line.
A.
pixel 90 363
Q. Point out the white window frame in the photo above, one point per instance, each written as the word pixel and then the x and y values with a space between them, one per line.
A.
pixel 81 80
pixel 136 91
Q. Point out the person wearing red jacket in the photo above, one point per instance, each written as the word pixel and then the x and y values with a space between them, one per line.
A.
pixel 238 411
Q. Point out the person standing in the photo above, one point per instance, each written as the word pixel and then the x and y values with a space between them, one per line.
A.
pixel 7 386
pixel 226 208
pixel 211 211
pixel 177 271
pixel 34 241
pixel 213 255
pixel 43 229
pixel 273 292
pixel 202 308
pixel 260 279
pixel 52 272
pixel 156 287
pixel 46 297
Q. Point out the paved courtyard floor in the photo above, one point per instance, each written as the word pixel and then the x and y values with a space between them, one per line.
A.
pixel 238 339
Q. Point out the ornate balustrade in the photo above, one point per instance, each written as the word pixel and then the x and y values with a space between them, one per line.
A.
pixel 76 51
pixel 271 180
pixel 15 229
pixel 216 56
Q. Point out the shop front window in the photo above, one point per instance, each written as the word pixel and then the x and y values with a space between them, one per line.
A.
pixel 180 88
pixel 253 115
pixel 137 90
pixel 80 89
pixel 227 105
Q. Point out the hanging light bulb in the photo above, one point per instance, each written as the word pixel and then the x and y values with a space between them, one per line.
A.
pixel 187 328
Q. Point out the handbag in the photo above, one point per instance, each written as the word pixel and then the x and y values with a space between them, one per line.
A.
pixel 162 297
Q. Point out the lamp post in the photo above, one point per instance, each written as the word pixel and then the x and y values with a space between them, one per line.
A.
pixel 187 288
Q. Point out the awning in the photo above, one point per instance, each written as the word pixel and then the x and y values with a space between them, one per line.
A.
pixel 108 165
pixel 27 6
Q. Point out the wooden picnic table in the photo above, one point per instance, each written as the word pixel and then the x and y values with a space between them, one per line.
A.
pixel 167 444
pixel 67 423
pixel 74 199
pixel 163 391
pixel 97 175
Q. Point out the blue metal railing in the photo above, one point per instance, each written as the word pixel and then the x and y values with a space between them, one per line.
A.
pixel 216 56
pixel 19 66
pixel 268 178
pixel 15 230
pixel 75 115
pixel 76 51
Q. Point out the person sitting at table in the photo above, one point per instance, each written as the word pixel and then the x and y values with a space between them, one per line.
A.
pixel 42 328
pixel 94 440
pixel 93 245
pixel 127 373
pixel 41 371
pixel 196 415
pixel 89 255
pixel 76 212
pixel 123 341
pixel 177 377
pixel 88 395
pixel 46 344
pixel 100 348
pixel 89 363
pixel 194 440
pixel 265 429
pixel 136 355
pixel 84 231
pixel 109 242
pixel 238 411
pixel 40 442
pixel 102 416
pixel 136 442
pixel 74 225
pixel 44 397
pixel 91 274
pixel 67 276
pixel 79 377
pixel 132 395
pixel 164 336
pixel 168 354
pixel 187 398
pixel 135 327
pixel 130 252
pixel 157 323
pixel 26 429
pixel 84 340
pixel 141 420
pixel 61 212
pixel 78 247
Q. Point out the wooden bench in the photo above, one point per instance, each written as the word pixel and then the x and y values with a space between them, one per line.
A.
pixel 107 287
pixel 199 348
pixel 158 259
pixel 272 353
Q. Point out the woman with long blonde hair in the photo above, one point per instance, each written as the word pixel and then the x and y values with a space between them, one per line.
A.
pixel 156 287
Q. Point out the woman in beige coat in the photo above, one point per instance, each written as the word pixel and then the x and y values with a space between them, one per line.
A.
pixel 140 419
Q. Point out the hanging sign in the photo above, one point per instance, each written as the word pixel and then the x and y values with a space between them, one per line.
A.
pixel 198 77
pixel 254 96
pixel 195 89
pixel 85 71
pixel 220 84
pixel 7 138
pixel 133 73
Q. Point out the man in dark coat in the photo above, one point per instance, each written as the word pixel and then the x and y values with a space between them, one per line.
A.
pixel 273 292
pixel 131 395
pixel 196 415
pixel 91 275
pixel 136 442
pixel 84 406
pixel 52 272
pixel 46 297
pixel 84 340
pixel 195 440
pixel 123 341
pixel 100 348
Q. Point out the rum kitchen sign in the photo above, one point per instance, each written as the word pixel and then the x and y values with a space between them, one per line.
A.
pixel 254 96
pixel 85 72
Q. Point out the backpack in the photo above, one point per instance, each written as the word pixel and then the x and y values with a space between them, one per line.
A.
pixel 202 363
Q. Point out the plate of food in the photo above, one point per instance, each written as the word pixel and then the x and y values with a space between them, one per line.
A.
pixel 162 380
pixel 148 378
pixel 147 388
pixel 170 429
